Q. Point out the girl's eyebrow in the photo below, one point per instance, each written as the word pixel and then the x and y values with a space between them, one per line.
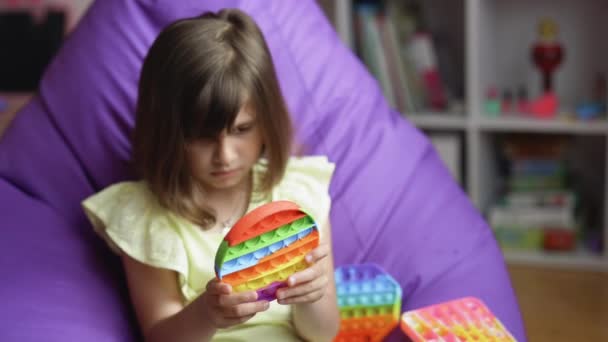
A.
pixel 248 120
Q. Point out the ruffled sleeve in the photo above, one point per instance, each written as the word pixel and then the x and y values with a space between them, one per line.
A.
pixel 306 182
pixel 131 221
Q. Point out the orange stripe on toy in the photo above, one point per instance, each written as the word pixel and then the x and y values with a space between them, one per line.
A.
pixel 369 328
pixel 262 220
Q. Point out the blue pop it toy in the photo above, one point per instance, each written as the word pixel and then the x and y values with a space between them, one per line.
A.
pixel 369 300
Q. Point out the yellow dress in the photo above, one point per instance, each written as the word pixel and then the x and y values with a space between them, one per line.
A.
pixel 130 219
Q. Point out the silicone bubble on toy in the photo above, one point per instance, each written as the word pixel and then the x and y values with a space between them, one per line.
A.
pixel 265 247
pixel 370 303
pixel 465 319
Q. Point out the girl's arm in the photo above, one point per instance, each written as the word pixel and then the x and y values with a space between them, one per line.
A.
pixel 162 315
pixel 315 311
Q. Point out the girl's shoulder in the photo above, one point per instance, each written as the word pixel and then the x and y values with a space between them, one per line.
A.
pixel 131 220
pixel 318 165
pixel 312 171
pixel 315 168
pixel 124 197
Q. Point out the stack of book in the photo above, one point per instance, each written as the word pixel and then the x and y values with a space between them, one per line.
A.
pixel 536 220
pixel 538 210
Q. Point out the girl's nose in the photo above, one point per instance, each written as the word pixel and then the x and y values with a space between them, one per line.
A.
pixel 224 153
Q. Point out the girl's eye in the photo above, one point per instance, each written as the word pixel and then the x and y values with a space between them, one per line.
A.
pixel 242 129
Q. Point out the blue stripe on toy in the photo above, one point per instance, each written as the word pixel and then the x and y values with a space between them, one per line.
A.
pixel 254 257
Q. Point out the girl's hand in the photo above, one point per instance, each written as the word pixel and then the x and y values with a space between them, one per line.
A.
pixel 309 285
pixel 225 308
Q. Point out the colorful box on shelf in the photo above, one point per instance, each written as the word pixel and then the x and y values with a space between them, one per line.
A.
pixel 369 300
pixel 265 247
pixel 466 319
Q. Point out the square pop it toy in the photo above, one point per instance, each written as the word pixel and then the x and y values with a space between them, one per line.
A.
pixel 369 300
pixel 265 247
pixel 466 319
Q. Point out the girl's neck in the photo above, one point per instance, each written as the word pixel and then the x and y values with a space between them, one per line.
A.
pixel 229 204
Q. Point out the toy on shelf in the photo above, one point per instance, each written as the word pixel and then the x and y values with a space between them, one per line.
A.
pixel 492 104
pixel 265 247
pixel 369 300
pixel 597 105
pixel 545 106
pixel 466 319
pixel 518 103
pixel 547 52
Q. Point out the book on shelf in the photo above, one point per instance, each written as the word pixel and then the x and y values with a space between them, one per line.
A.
pixel 536 221
pixel 371 49
pixel 401 57
pixel 402 94
pixel 536 167
pixel 533 217
pixel 546 198
pixel 424 57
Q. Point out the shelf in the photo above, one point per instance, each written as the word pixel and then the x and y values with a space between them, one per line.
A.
pixel 441 121
pixel 579 259
pixel 486 43
pixel 599 127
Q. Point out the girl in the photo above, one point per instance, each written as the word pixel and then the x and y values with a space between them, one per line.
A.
pixel 212 141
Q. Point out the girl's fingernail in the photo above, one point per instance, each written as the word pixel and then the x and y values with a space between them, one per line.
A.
pixel 309 258
pixel 291 281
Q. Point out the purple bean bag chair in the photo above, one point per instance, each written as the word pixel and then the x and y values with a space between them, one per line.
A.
pixel 394 202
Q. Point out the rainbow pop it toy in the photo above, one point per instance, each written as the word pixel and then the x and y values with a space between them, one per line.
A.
pixel 369 300
pixel 466 319
pixel 265 247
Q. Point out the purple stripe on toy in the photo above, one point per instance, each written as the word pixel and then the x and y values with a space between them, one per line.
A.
pixel 269 292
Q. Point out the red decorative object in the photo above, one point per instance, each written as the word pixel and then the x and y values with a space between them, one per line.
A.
pixel 559 240
pixel 547 52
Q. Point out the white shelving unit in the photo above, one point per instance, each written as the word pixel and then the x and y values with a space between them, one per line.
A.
pixel 496 42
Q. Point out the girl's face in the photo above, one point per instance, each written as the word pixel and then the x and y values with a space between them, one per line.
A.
pixel 225 162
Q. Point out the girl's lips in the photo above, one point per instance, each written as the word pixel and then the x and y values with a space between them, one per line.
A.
pixel 222 174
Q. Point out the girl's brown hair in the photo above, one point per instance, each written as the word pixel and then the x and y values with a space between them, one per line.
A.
pixel 198 74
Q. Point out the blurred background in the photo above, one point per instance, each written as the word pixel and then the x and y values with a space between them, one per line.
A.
pixel 512 94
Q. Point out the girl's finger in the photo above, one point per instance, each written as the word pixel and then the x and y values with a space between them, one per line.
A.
pixel 317 254
pixel 215 287
pixel 237 298
pixel 314 285
pixel 305 298
pixel 246 309
pixel 306 275
pixel 228 322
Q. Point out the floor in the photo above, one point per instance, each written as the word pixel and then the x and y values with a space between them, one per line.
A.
pixel 562 305
pixel 557 305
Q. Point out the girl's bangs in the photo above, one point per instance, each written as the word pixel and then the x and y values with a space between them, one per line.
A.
pixel 214 108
